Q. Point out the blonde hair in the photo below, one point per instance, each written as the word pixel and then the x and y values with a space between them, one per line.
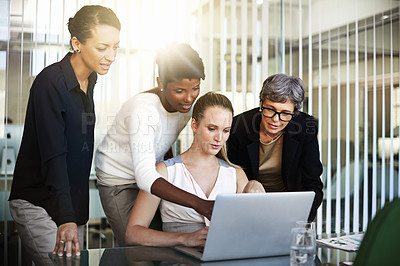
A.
pixel 213 99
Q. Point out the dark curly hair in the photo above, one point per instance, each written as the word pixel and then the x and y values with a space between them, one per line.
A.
pixel 179 61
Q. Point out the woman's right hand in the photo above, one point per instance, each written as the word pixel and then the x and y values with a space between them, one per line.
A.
pixel 253 186
pixel 204 207
pixel 196 239
pixel 167 191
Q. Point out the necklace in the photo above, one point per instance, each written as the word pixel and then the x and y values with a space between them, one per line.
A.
pixel 272 139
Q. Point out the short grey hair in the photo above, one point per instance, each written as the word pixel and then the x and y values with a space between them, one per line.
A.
pixel 281 87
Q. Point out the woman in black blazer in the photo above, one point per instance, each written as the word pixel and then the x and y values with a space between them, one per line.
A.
pixel 277 144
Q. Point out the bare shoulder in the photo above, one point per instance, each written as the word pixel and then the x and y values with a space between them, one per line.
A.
pixel 241 175
pixel 162 169
pixel 240 172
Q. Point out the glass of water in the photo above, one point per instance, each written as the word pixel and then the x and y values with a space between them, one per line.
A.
pixel 302 248
pixel 311 225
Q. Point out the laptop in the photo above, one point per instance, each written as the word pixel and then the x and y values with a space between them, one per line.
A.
pixel 252 225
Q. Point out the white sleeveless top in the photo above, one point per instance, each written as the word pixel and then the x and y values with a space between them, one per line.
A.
pixel 179 176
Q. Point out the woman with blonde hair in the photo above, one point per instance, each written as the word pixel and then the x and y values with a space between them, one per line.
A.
pixel 202 170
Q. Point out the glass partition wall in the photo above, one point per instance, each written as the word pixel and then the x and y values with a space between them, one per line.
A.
pixel 346 52
pixel 348 57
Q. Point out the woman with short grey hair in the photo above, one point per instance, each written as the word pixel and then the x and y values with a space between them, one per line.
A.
pixel 276 143
pixel 281 87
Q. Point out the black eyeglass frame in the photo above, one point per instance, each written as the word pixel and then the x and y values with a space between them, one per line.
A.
pixel 275 112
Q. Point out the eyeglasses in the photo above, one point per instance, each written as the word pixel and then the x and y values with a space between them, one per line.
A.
pixel 270 113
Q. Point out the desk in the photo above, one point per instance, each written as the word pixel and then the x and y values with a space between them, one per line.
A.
pixel 169 256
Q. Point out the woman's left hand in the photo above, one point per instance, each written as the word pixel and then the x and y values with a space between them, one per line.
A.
pixel 68 238
pixel 196 239
pixel 253 186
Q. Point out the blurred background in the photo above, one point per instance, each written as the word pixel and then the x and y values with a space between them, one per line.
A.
pixel 346 52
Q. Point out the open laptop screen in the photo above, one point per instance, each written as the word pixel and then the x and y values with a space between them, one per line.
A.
pixel 254 224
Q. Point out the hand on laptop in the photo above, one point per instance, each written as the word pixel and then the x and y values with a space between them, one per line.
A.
pixel 195 239
pixel 253 186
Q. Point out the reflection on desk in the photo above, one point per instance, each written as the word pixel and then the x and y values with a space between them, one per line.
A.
pixel 155 256
pixel 331 256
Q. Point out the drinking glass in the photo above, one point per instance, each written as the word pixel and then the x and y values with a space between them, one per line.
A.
pixel 302 248
pixel 311 225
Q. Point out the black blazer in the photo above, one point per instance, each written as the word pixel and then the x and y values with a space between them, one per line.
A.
pixel 301 165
